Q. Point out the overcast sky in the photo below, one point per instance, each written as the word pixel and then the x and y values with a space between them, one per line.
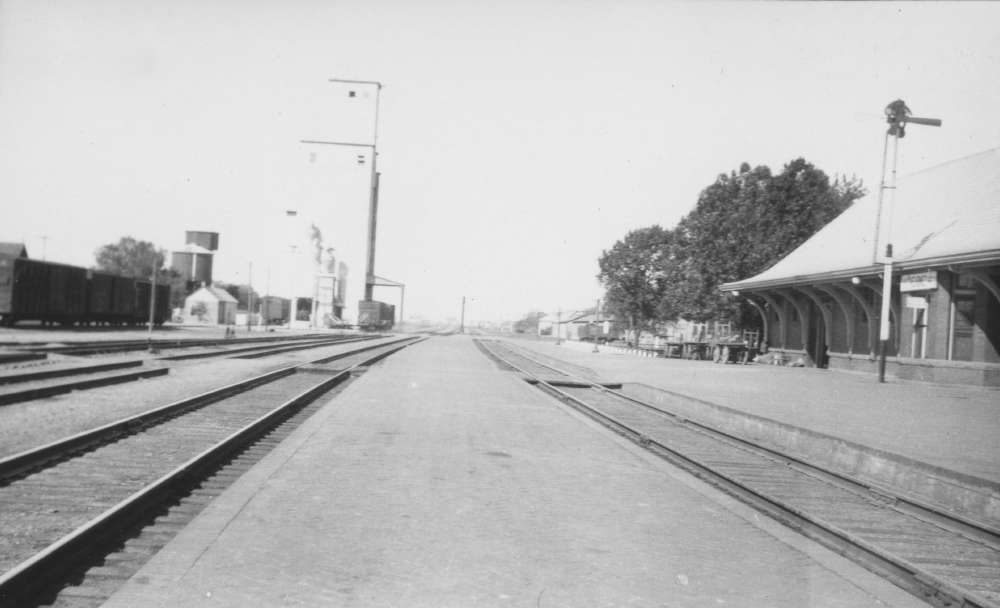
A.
pixel 517 140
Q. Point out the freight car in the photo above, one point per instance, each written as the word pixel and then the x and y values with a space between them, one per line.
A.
pixel 376 316
pixel 142 303
pixel 35 290
pixel 275 310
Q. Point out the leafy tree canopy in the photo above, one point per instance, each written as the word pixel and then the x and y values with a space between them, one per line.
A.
pixel 742 224
pixel 130 257
pixel 241 293
pixel 632 273
pixel 134 258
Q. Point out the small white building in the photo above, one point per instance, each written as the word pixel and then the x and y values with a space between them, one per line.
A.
pixel 210 306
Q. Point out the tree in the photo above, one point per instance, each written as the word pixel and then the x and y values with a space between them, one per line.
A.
pixel 742 224
pixel 633 278
pixel 746 222
pixel 240 292
pixel 134 258
pixel 131 258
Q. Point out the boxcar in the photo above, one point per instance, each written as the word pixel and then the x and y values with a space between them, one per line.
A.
pixel 124 298
pixel 41 291
pixel 376 316
pixel 274 310
pixel 35 290
pixel 100 297
pixel 141 309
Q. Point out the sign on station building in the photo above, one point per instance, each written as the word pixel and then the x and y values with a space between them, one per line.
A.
pixel 918 281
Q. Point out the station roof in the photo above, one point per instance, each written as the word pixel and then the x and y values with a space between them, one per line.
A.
pixel 945 215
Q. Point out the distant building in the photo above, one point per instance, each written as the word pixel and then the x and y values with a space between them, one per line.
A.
pixel 822 301
pixel 13 250
pixel 194 261
pixel 203 239
pixel 210 306
pixel 574 325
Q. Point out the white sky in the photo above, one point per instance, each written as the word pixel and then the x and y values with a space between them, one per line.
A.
pixel 516 140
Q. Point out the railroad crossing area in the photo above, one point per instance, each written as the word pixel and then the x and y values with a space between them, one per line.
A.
pixel 441 478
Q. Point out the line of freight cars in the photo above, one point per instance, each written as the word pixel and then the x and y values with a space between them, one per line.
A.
pixel 34 290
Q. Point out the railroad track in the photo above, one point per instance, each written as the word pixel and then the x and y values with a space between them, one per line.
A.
pixel 117 346
pixel 257 351
pixel 942 559
pixel 45 381
pixel 65 505
pixel 8 357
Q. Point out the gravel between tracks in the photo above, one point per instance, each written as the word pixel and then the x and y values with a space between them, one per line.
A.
pixel 34 423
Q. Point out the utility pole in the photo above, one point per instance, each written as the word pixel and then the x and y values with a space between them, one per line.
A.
pixel 597 321
pixel 152 304
pixel 250 298
pixel 267 299
pixel 897 115
pixel 462 326
pixel 375 176
pixel 559 327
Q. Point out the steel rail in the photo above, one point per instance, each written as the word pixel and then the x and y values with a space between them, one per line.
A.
pixel 34 458
pixel 49 390
pixel 53 562
pixel 266 349
pixel 904 574
pixel 287 349
pixel 909 505
pixel 102 346
pixel 44 374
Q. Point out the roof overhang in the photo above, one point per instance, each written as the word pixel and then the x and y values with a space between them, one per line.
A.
pixel 955 262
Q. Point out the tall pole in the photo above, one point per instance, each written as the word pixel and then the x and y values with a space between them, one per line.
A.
pixel 373 204
pixel 559 327
pixel 292 299
pixel 250 297
pixel 881 192
pixel 373 189
pixel 372 228
pixel 897 115
pixel 597 322
pixel 152 307
pixel 461 329
pixel 883 332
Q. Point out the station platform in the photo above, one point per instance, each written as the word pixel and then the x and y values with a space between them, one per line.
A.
pixel 438 479
pixel 956 428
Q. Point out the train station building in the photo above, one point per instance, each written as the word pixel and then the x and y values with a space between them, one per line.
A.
pixel 821 303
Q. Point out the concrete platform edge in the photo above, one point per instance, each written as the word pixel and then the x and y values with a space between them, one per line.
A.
pixel 960 493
